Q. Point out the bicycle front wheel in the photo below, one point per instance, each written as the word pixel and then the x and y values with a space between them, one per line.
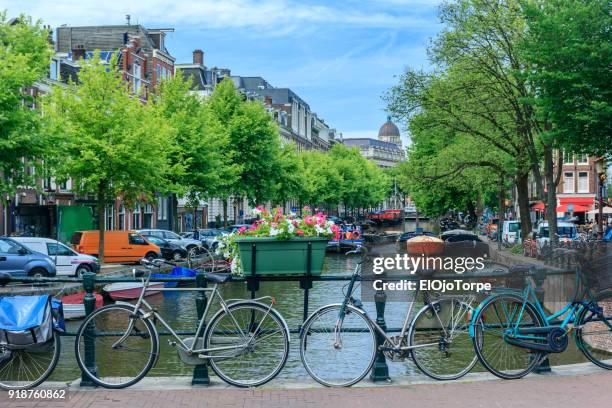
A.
pixel 247 344
pixel 594 333
pixel 338 353
pixel 440 340
pixel 115 347
pixel 497 317
pixel 21 369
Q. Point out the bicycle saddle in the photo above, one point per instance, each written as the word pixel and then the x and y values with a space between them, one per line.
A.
pixel 217 277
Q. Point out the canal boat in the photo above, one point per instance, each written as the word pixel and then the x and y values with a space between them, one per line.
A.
pixel 350 238
pixel 386 217
pixel 131 290
pixel 73 305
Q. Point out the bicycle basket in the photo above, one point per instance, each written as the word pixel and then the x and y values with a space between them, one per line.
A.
pixel 25 321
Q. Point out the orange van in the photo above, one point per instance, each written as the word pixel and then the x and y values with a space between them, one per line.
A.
pixel 119 246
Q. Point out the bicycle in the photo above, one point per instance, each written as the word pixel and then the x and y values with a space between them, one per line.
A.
pixel 436 338
pixel 25 367
pixel 512 333
pixel 246 342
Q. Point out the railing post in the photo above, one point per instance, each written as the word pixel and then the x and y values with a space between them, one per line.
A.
pixel 380 371
pixel 306 282
pixel 89 301
pixel 200 372
pixel 539 278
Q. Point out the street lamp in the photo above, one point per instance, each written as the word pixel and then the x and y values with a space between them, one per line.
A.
pixel 600 168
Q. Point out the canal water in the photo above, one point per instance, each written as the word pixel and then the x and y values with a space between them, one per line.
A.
pixel 179 310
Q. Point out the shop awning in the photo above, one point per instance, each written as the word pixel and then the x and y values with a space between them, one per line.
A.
pixel 565 208
pixel 583 201
pixel 538 206
pixel 605 210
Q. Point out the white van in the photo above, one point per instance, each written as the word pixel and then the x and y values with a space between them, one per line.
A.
pixel 511 232
pixel 67 261
pixel 566 231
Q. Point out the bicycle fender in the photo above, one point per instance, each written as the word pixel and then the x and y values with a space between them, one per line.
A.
pixel 476 315
pixel 272 310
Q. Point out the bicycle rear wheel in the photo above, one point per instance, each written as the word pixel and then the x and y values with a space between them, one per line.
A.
pixel 497 315
pixel 252 344
pixel 594 336
pixel 113 364
pixel 337 354
pixel 21 369
pixel 439 335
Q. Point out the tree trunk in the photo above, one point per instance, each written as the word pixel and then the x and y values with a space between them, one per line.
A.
pixel 502 210
pixel 225 213
pixel 551 195
pixel 522 196
pixel 101 221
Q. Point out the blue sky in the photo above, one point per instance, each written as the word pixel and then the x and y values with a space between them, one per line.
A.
pixel 338 56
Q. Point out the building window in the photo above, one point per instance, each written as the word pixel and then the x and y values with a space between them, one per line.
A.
pixel 136 218
pixel 137 73
pixel 583 182
pixel 162 208
pixel 121 217
pixel 158 73
pixel 148 216
pixel 109 211
pixel 54 70
pixel 568 158
pixel 583 159
pixel 568 182
pixel 47 183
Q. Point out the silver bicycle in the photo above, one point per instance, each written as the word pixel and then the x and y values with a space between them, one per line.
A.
pixel 338 342
pixel 246 342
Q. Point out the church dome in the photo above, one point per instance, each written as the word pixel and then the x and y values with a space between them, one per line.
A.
pixel 388 129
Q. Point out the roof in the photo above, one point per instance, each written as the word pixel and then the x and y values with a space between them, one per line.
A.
pixel 261 87
pixel 197 76
pixel 367 142
pixel 388 129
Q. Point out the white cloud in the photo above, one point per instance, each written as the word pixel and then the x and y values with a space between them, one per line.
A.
pixel 270 15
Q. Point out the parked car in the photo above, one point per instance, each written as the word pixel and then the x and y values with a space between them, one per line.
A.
pixel 459 235
pixel 119 246
pixel 193 245
pixel 67 261
pixel 169 251
pixel 511 232
pixel 17 259
pixel 566 231
pixel 210 237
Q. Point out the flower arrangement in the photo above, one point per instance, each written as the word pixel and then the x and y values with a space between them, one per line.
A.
pixel 280 226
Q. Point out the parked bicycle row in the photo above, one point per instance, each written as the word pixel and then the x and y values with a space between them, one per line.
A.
pixel 246 342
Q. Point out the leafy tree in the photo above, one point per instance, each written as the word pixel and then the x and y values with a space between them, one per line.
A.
pixel 290 176
pixel 254 144
pixel 24 58
pixel 112 144
pixel 204 155
pixel 569 46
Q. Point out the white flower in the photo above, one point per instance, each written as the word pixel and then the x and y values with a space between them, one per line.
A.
pixel 274 231
pixel 319 229
pixel 290 228
pixel 255 212
pixel 329 230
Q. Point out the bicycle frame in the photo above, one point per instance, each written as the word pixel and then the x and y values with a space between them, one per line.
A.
pixel 150 312
pixel 348 300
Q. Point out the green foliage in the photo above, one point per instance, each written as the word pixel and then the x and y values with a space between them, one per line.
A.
pixel 202 156
pixel 253 147
pixel 24 58
pixel 569 45
pixel 112 144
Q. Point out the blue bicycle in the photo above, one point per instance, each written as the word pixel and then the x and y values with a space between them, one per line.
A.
pixel 512 332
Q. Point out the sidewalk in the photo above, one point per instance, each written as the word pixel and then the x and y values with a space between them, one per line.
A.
pixel 577 386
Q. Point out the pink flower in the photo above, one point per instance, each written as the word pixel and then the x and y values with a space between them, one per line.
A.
pixel 241 230
pixel 300 233
pixel 253 227
pixel 308 220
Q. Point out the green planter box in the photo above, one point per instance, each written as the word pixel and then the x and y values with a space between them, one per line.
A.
pixel 281 257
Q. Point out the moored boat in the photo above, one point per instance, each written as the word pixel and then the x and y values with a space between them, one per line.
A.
pixel 131 290
pixel 177 272
pixel 73 305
